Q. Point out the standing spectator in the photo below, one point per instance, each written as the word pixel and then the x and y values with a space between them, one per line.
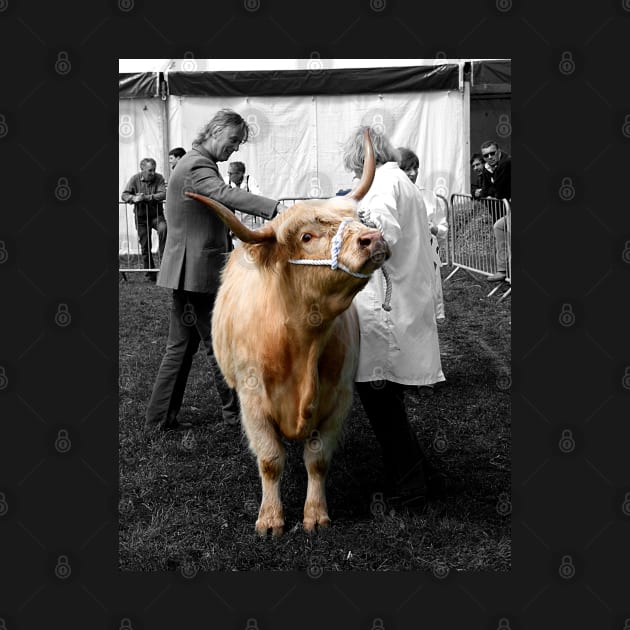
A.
pixel 196 248
pixel 409 164
pixel 236 178
pixel 497 183
pixel 146 190
pixel 175 155
pixel 398 347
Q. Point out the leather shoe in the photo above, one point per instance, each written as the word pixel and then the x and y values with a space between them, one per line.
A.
pixel 497 277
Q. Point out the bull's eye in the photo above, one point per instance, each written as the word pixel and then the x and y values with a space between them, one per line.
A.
pixel 306 237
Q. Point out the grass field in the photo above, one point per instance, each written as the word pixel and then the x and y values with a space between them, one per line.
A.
pixel 189 500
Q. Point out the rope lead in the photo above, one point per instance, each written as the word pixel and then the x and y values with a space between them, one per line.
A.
pixel 366 218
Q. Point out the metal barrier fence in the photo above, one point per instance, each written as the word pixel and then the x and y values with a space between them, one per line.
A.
pixel 131 258
pixel 443 242
pixel 473 245
pixel 132 234
pixel 289 201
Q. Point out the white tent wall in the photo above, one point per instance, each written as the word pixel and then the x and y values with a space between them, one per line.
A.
pixel 294 149
pixel 141 133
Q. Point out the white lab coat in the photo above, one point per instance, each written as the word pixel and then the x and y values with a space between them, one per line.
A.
pixel 437 219
pixel 400 345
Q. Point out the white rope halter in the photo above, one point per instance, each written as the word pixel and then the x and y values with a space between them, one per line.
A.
pixel 335 248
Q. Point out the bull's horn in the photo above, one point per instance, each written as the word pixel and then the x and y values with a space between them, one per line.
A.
pixel 242 232
pixel 369 168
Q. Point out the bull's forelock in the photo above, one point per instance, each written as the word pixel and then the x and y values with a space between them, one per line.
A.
pixel 320 215
pixel 325 212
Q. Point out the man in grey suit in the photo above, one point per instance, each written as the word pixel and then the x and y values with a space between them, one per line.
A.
pixel 197 243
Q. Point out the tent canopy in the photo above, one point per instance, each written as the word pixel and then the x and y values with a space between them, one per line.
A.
pixel 491 76
pixel 313 81
pixel 299 118
pixel 138 85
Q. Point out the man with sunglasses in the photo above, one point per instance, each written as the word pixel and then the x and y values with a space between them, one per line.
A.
pixel 497 182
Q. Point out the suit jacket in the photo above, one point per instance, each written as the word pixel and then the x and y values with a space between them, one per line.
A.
pixel 498 183
pixel 197 241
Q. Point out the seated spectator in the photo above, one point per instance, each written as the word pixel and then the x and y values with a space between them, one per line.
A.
pixel 497 183
pixel 476 182
pixel 146 190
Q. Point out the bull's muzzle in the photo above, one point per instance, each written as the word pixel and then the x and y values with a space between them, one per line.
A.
pixel 375 246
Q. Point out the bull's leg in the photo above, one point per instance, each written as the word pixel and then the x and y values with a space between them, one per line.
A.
pixel 318 451
pixel 269 452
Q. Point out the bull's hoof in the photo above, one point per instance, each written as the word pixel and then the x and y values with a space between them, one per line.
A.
pixel 276 532
pixel 321 522
pixel 275 525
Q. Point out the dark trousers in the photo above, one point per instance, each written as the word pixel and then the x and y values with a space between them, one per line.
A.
pixel 404 461
pixel 190 323
pixel 144 225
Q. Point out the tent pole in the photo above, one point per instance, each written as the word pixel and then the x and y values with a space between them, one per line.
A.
pixel 165 129
pixel 467 76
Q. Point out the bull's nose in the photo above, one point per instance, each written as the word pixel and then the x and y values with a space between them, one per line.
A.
pixel 374 244
pixel 368 239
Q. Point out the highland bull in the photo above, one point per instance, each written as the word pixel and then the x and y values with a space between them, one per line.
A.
pixel 286 334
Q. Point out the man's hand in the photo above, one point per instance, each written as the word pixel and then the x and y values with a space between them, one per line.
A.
pixel 137 198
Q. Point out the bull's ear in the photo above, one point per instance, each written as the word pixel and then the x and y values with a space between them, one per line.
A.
pixel 242 232
pixel 369 168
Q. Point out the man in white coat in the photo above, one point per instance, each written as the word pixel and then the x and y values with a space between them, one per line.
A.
pixel 399 347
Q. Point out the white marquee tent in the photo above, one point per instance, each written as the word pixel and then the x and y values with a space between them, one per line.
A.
pixel 300 112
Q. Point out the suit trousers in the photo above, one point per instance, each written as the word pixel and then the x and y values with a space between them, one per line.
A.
pixel 190 324
pixel 404 461
pixel 144 225
pixel 502 243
